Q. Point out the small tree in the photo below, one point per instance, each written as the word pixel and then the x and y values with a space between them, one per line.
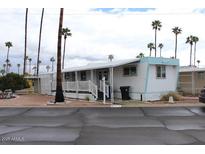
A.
pixel 13 81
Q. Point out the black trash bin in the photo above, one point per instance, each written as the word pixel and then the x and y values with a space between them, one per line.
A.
pixel 125 92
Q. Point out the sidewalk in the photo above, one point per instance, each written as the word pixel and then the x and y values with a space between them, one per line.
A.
pixel 43 101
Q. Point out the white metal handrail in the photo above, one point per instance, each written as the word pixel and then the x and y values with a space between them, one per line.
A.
pixel 93 89
pixel 107 92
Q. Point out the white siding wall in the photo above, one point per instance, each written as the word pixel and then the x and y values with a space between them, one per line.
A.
pixel 45 83
pixel 157 87
pixel 136 83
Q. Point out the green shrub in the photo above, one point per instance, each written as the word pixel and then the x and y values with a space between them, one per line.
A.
pixel 13 81
pixel 87 98
pixel 176 96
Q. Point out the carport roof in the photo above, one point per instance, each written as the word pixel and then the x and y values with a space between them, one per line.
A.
pixel 191 69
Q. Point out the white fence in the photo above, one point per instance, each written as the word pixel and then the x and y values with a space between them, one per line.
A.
pixel 83 86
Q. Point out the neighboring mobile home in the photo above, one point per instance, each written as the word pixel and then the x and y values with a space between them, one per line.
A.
pixel 191 79
pixel 148 78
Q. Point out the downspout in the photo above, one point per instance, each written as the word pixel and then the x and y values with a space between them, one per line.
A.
pixel 146 80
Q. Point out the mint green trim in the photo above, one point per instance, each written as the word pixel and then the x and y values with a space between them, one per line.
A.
pixel 146 79
pixel 177 82
pixel 160 61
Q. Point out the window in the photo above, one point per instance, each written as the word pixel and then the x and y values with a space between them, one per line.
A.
pixel 70 76
pixel 130 71
pixel 83 76
pixel 67 76
pixel 106 75
pixel 200 75
pixel 161 71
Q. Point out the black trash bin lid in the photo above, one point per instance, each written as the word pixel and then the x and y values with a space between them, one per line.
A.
pixel 124 87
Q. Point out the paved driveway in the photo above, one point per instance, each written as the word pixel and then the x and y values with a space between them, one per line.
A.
pixel 180 125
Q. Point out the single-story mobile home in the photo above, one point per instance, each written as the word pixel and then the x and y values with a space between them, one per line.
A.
pixel 148 78
pixel 191 79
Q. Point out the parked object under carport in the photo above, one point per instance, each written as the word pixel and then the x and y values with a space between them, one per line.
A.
pixel 125 92
pixel 202 96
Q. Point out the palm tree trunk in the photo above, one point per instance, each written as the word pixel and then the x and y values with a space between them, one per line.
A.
pixel 39 43
pixel 7 61
pixel 29 67
pixel 175 47
pixel 59 91
pixel 18 70
pixel 52 66
pixel 150 52
pixel 194 54
pixel 25 46
pixel 190 55
pixel 155 43
pixel 64 51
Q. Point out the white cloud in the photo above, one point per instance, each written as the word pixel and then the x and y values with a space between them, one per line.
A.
pixel 97 34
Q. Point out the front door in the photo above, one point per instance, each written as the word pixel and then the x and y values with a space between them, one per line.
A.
pixel 101 74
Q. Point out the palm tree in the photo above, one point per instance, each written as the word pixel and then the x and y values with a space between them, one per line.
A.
pixel 29 59
pixel 39 43
pixel 8 45
pixel 52 59
pixel 26 60
pixel 9 66
pixel 25 45
pixel 39 62
pixel 48 68
pixel 195 40
pixel 198 61
pixel 59 97
pixel 176 31
pixel 150 46
pixel 18 65
pixel 156 25
pixel 110 57
pixel 34 70
pixel 160 47
pixel 190 41
pixel 4 66
pixel 66 32
pixel 141 55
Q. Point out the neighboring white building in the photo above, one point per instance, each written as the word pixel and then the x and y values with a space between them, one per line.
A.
pixel 148 78
pixel 191 79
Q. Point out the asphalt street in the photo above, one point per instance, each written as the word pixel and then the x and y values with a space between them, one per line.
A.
pixel 103 126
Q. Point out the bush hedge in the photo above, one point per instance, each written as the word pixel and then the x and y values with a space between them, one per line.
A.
pixel 175 96
pixel 13 81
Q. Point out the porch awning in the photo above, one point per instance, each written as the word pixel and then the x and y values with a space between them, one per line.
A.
pixel 108 64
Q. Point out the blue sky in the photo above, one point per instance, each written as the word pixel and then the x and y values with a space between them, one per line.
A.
pixel 109 10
